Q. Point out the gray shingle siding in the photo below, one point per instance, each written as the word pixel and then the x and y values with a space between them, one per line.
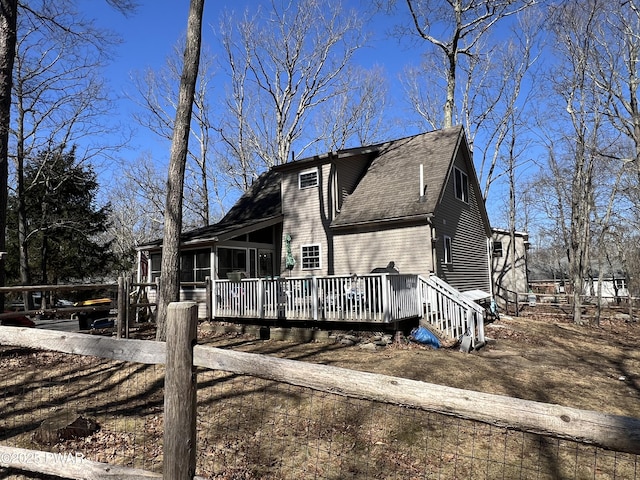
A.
pixel 463 223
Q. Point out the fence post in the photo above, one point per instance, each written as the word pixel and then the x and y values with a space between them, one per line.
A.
pixel 128 287
pixel 122 306
pixel 179 456
pixel 209 298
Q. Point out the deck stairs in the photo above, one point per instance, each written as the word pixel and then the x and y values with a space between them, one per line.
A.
pixel 451 314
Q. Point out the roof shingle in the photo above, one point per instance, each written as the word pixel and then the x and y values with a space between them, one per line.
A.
pixel 390 189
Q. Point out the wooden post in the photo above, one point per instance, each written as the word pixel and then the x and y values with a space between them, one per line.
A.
pixel 315 298
pixel 209 298
pixel 122 307
pixel 128 309
pixel 385 290
pixel 180 392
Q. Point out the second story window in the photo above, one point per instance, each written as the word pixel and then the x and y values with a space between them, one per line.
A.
pixel 308 179
pixel 461 185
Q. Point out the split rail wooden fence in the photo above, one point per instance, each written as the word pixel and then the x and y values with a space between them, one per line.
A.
pixel 182 356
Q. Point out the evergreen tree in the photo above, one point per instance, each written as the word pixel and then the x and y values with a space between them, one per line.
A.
pixel 64 223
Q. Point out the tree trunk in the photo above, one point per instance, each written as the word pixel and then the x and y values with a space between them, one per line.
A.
pixel 170 267
pixel 8 18
pixel 449 103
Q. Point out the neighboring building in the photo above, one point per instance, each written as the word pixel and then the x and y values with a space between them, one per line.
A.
pixel 509 264
pixel 415 202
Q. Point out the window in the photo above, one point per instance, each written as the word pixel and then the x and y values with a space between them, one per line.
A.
pixel 497 249
pixel 620 283
pixel 461 185
pixel 448 257
pixel 310 257
pixel 195 265
pixel 231 260
pixel 308 179
pixel 156 261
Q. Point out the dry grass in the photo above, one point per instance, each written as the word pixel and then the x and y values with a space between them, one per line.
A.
pixel 250 428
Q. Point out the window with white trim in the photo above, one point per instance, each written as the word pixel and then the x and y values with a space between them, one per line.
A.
pixel 461 184
pixel 310 257
pixel 448 257
pixel 195 265
pixel 308 179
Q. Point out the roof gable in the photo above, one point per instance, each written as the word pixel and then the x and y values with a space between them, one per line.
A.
pixel 390 189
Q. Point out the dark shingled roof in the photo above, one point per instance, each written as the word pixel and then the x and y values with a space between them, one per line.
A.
pixel 261 201
pixel 390 189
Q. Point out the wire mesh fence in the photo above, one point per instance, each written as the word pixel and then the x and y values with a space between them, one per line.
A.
pixel 251 428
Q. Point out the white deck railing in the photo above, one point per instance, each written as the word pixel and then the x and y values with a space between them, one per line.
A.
pixel 450 311
pixel 363 298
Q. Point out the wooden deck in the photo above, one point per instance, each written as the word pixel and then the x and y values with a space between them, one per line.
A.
pixel 372 298
pixel 375 298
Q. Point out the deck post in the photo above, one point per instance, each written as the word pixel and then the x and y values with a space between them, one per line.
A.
pixel 179 455
pixel 261 298
pixel 386 297
pixel 315 298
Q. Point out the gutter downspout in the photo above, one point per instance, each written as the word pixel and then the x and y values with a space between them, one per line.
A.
pixel 489 261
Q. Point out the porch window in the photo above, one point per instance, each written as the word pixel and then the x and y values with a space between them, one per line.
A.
pixel 497 249
pixel 461 185
pixel 308 179
pixel 231 260
pixel 310 257
pixel 195 265
pixel 448 257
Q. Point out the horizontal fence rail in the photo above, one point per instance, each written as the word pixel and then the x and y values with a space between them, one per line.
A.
pixel 612 432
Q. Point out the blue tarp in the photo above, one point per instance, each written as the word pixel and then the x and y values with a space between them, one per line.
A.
pixel 424 336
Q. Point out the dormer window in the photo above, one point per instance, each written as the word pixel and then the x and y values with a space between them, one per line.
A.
pixel 461 185
pixel 308 179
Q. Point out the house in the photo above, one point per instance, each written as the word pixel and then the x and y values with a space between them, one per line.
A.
pixel 415 202
pixel 307 235
pixel 509 264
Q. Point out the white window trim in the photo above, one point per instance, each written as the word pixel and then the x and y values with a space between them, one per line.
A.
pixel 306 172
pixel 447 250
pixel 302 257
pixel 465 194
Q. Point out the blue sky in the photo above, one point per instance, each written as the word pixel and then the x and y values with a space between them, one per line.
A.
pixel 150 35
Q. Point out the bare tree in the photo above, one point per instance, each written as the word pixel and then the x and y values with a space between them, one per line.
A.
pixel 137 199
pixel 617 72
pixel 157 94
pixel 455 28
pixel 170 277
pixel 8 38
pixel 58 98
pixel 283 66
pixel 356 114
pixel 574 25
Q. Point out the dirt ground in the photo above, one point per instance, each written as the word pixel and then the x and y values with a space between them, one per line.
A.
pixel 537 358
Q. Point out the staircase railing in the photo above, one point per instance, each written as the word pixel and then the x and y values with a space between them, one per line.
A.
pixel 450 311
